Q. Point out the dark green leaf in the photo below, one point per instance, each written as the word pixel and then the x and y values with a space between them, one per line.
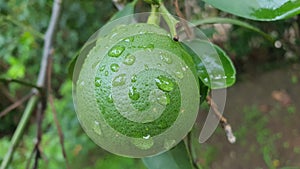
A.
pixel 263 10
pixel 214 67
pixel 127 10
pixel 176 158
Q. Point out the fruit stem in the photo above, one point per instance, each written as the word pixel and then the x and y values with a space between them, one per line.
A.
pixel 154 17
pixel 170 20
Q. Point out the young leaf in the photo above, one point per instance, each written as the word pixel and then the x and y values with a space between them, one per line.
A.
pixel 263 10
pixel 176 158
pixel 216 72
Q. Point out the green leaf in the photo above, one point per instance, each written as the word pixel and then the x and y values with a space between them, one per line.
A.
pixel 233 22
pixel 127 10
pixel 216 72
pixel 263 10
pixel 176 158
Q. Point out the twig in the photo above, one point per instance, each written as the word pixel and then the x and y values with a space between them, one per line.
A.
pixel 40 83
pixel 9 80
pixel 188 31
pixel 225 125
pixel 15 105
pixel 54 113
pixel 40 110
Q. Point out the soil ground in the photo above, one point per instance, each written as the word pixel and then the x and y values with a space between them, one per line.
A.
pixel 264 112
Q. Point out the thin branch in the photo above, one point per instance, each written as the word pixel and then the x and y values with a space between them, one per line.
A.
pixel 225 125
pixel 15 105
pixel 48 41
pixel 40 83
pixel 40 110
pixel 10 80
pixel 187 30
pixel 54 113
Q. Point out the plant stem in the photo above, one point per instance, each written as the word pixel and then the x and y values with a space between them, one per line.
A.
pixel 233 22
pixel 19 131
pixel 170 20
pixel 154 17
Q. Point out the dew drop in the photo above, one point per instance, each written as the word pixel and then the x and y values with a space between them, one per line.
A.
pixel 114 67
pixel 165 58
pixel 116 51
pixel 146 137
pixel 133 78
pixel 129 39
pixel 146 67
pixel 119 80
pixel 168 144
pixel 133 93
pixel 163 100
pixel 106 73
pixel 179 74
pixel 97 82
pixel 97 128
pixel 129 59
pixel 102 68
pixel 110 98
pixel 164 83
pixel 142 143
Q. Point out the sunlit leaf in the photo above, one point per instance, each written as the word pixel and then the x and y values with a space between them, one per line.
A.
pixel 264 10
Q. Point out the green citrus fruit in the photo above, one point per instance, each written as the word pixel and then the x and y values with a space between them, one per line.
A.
pixel 137 93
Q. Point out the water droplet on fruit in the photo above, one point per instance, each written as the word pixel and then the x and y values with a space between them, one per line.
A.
pixel 179 74
pixel 97 128
pixel 129 59
pixel 114 67
pixel 169 144
pixel 110 98
pixel 163 100
pixel 102 68
pixel 146 67
pixel 164 83
pixel 97 82
pixel 116 51
pixel 165 58
pixel 146 137
pixel 129 39
pixel 142 143
pixel 133 78
pixel 119 80
pixel 133 93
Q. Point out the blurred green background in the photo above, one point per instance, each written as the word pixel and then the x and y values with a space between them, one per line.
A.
pixel 267 128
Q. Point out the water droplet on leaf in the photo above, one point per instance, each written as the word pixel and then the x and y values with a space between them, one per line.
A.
pixel 163 100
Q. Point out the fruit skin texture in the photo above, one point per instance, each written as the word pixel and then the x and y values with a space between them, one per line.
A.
pixel 137 91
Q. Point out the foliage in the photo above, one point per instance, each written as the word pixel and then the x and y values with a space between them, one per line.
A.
pixel 22 24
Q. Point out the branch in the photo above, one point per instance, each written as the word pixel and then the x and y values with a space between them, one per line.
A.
pixel 40 83
pixel 10 80
pixel 15 105
pixel 225 125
